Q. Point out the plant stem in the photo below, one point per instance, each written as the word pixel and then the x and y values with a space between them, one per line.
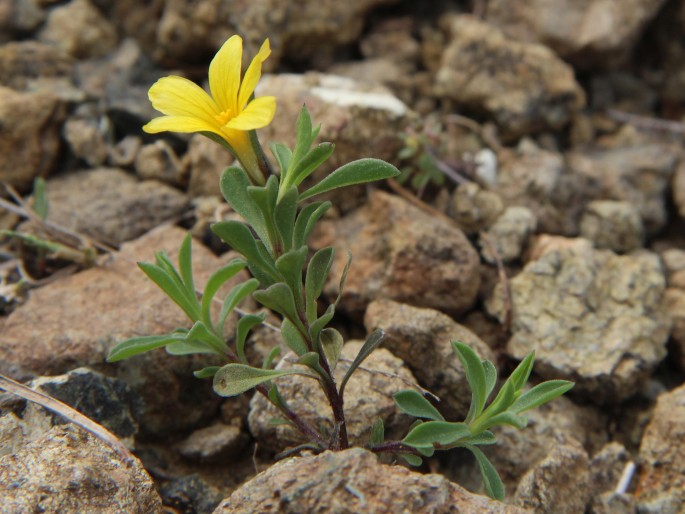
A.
pixel 393 447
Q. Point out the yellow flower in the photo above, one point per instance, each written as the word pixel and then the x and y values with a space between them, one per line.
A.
pixel 228 113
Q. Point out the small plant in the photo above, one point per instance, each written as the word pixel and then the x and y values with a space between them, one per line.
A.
pixel 278 217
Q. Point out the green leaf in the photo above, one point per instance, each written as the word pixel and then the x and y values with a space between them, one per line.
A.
pixel 40 199
pixel 234 379
pixel 185 264
pixel 312 361
pixel 317 272
pixel 279 298
pixel 377 433
pixel 520 375
pixel 276 398
pixel 490 377
pixel 371 343
pixel 343 277
pixel 304 138
pixel 505 418
pixel 207 372
pixel 475 375
pixel 502 401
pixel 234 185
pixel 172 289
pixel 331 344
pixel 284 217
pixel 306 220
pixel 189 348
pixel 236 295
pixel 412 460
pixel 200 332
pixel 310 162
pixel 540 394
pixel 239 237
pixel 431 433
pixel 137 345
pixel 318 325
pixel 355 172
pixel 283 156
pixel 415 404
pixel 290 266
pixel 269 360
pixel 426 451
pixel 218 279
pixel 491 480
pixel 245 324
pixel 485 437
pixel 293 337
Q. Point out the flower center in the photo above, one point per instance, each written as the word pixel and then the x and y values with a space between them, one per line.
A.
pixel 224 117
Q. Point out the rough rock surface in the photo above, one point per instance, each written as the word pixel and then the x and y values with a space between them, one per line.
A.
pixel 674 302
pixel 661 481
pixel 474 208
pixel 30 126
pixel 508 235
pixel 80 29
pixel 24 65
pixel 86 140
pixel 55 332
pixel 110 205
pixel 422 337
pixel 560 483
pixel 18 17
pixel 395 257
pixel 158 161
pixel 368 396
pixel 206 161
pixel 213 443
pixel 591 33
pixel 523 87
pixel 353 481
pixel 613 225
pixel 639 175
pixel 69 471
pixel 591 316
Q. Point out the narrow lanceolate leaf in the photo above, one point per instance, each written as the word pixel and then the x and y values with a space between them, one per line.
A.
pixel 433 433
pixel 317 272
pixel 245 324
pixel 377 433
pixel 331 344
pixel 185 264
pixel 284 216
pixel 239 237
pixel 290 265
pixel 311 360
pixel 189 348
pixel 293 337
pixel 304 135
pixel 371 343
pixel 320 323
pixel 540 394
pixel 505 418
pixel 236 295
pixel 475 375
pixel 279 298
pixel 283 155
pixel 343 277
pixel 413 403
pixel 485 437
pixel 490 377
pixel 355 172
pixel 520 375
pixel 40 199
pixel 234 184
pixel 218 279
pixel 200 332
pixel 269 360
pixel 502 401
pixel 310 162
pixel 491 480
pixel 137 345
pixel 306 220
pixel 172 289
pixel 411 459
pixel 207 372
pixel 234 379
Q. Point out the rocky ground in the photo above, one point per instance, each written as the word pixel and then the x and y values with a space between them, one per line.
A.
pixel 543 210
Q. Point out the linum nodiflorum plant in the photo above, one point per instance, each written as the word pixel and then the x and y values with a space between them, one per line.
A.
pixel 279 214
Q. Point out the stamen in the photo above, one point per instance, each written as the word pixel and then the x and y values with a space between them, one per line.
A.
pixel 224 117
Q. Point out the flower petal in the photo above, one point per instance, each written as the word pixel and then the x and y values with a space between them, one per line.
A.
pixel 258 113
pixel 181 124
pixel 177 96
pixel 224 74
pixel 253 74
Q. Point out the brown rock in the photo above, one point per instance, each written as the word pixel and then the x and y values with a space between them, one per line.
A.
pixel 353 481
pixel 79 29
pixel 207 161
pixel 214 443
pixel 24 63
pixel 69 471
pixel 29 136
pixel 560 484
pixel 158 161
pixel 368 396
pixel 19 17
pixel 401 253
pixel 613 225
pixel 110 205
pixel 422 337
pixel 86 140
pixel 473 208
pixel 55 331
pixel 509 235
pixel 661 481
pixel 593 33
pixel 591 316
pixel 524 87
